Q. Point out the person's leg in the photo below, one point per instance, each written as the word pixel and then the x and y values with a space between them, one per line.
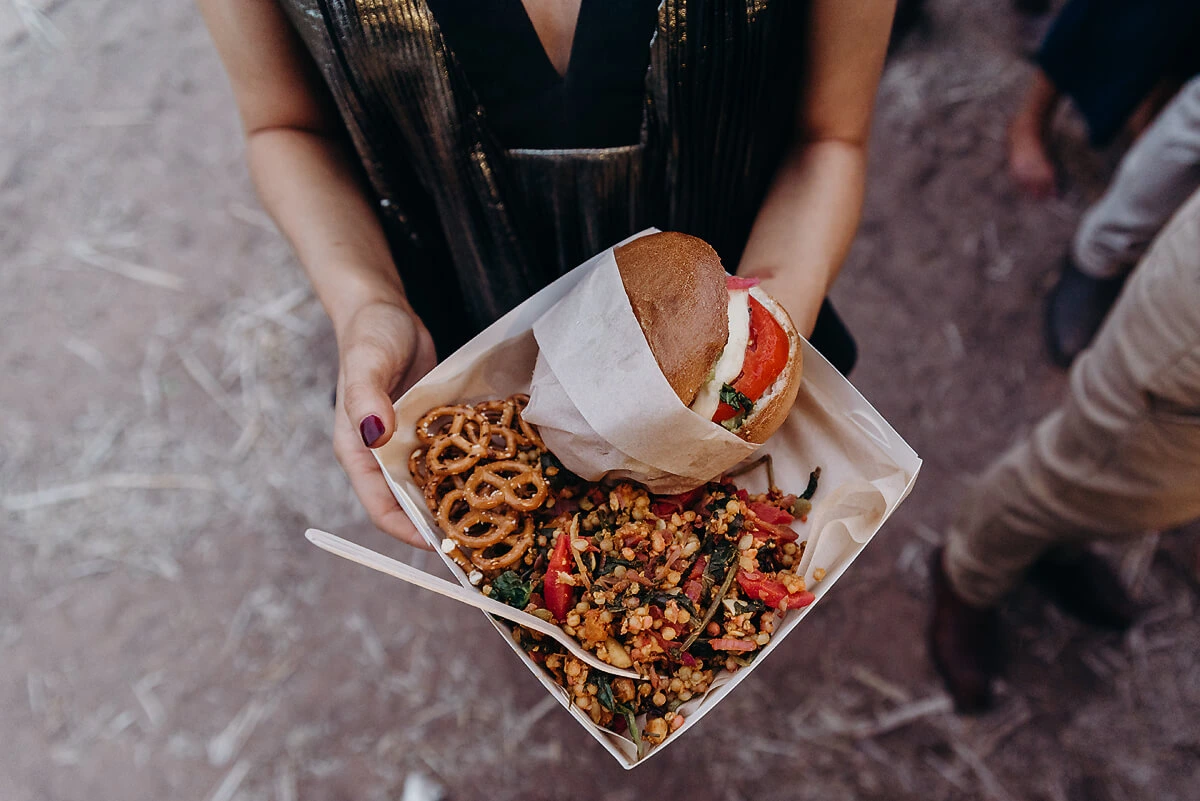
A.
pixel 1120 456
pixel 1155 177
pixel 1029 160
pixel 1157 174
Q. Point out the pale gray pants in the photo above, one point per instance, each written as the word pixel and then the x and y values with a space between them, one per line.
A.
pixel 1122 453
pixel 1156 176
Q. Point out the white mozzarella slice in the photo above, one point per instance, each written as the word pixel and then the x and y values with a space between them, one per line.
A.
pixel 729 366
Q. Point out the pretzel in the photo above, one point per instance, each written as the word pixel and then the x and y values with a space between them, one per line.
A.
pixel 417 467
pixel 502 443
pixel 479 470
pixel 501 414
pixel 516 494
pixel 528 434
pixel 457 427
pixel 518 545
pixel 436 489
pixel 450 421
pixel 497 412
pixel 484 476
pixel 459 528
pixel 512 481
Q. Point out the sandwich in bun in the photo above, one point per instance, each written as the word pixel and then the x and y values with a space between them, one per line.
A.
pixel 728 350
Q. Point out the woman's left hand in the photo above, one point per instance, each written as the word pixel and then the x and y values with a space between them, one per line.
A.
pixel 384 350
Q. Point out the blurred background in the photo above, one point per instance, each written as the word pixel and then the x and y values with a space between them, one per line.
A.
pixel 166 632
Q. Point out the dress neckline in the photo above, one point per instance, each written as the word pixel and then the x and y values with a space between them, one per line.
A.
pixel 570 44
pixel 521 97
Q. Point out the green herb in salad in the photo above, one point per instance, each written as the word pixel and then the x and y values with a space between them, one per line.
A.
pixel 511 589
pixel 604 695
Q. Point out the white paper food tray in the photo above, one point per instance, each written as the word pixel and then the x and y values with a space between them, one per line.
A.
pixel 867 469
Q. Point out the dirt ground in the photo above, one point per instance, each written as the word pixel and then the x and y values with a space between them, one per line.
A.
pixel 166 632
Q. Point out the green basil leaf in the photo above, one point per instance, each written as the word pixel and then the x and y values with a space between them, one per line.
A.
pixel 736 399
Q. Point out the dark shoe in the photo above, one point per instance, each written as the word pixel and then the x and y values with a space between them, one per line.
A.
pixel 1075 310
pixel 964 642
pixel 1085 587
pixel 1033 7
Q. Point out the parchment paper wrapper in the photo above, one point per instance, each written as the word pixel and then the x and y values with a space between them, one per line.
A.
pixel 866 471
pixel 603 405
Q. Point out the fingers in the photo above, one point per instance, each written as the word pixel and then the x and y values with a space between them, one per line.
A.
pixel 369 485
pixel 368 374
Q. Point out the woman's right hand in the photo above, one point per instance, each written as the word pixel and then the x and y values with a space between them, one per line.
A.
pixel 383 350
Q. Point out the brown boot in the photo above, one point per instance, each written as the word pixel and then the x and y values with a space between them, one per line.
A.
pixel 964 642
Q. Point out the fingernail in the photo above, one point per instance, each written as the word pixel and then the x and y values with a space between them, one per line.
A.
pixel 371 429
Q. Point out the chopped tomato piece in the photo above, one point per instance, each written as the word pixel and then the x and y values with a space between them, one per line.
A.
pixel 770 514
pixel 771 592
pixel 693 586
pixel 666 505
pixel 663 509
pixel 560 597
pixel 766 356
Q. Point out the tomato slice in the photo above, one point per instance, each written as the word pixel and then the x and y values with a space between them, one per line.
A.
pixel 766 356
pixel 560 598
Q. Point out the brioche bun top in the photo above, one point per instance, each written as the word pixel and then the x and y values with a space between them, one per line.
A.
pixel 676 286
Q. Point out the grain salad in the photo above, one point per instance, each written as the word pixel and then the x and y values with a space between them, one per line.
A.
pixel 676 587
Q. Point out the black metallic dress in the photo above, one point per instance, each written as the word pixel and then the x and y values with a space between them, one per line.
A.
pixel 476 221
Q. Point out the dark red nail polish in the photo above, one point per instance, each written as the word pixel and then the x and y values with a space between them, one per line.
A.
pixel 371 429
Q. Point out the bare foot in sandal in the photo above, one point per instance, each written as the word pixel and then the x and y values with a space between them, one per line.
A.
pixel 1029 161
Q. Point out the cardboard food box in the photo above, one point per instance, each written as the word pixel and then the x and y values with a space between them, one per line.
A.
pixel 866 471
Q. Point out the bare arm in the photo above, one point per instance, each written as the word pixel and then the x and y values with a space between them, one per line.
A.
pixel 807 222
pixel 297 159
pixel 303 173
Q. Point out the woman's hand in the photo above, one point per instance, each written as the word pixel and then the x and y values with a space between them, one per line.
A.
pixel 383 350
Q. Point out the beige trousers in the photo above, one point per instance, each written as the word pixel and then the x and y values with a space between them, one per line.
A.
pixel 1122 453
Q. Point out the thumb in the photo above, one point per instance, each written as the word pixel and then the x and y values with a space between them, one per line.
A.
pixel 368 375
